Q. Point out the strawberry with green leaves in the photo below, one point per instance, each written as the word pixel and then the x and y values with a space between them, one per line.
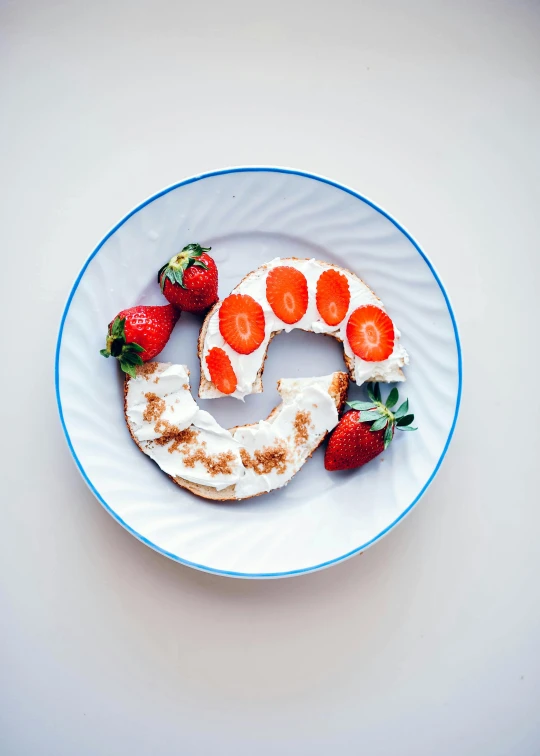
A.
pixel 366 430
pixel 138 334
pixel 190 279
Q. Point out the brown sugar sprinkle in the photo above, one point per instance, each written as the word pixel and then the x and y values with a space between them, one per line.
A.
pixel 266 460
pixel 147 369
pixel 184 438
pixel 155 407
pixel 216 464
pixel 302 423
pixel 170 432
pixel 186 386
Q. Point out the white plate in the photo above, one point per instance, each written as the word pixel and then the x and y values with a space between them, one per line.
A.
pixel 249 216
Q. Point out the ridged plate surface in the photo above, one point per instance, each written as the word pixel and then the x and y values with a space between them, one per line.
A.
pixel 248 216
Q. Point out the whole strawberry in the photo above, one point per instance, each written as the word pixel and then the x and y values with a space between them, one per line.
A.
pixel 139 334
pixel 366 430
pixel 190 279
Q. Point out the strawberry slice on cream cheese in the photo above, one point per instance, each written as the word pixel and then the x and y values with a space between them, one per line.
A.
pixel 315 296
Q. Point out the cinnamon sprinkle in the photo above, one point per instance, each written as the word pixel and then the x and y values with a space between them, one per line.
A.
pixel 266 460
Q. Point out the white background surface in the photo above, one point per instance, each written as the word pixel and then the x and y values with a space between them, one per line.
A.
pixel 428 643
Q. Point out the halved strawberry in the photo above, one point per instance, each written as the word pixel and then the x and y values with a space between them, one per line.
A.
pixel 333 297
pixel 241 323
pixel 221 370
pixel 287 293
pixel 371 333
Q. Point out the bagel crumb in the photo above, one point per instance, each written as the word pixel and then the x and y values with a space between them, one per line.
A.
pixel 302 423
pixel 154 409
pixel 266 460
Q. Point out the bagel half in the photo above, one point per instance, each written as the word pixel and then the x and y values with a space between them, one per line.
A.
pixel 249 368
pixel 228 465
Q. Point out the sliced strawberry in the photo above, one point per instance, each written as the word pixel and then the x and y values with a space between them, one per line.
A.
pixel 241 323
pixel 221 370
pixel 333 297
pixel 371 333
pixel 287 293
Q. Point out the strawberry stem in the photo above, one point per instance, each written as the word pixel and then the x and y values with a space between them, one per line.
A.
pixel 174 270
pixel 380 414
pixel 128 355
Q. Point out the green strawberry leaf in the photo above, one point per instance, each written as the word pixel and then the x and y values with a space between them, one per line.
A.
pixel 117 328
pixel 402 410
pixel 362 405
pixel 379 424
pixel 162 276
pixel 136 347
pixel 176 267
pixel 116 347
pixel 105 352
pixel 370 392
pixel 127 368
pixel 408 428
pixel 403 421
pixel 377 392
pixel 196 250
pixel 388 435
pixel 367 416
pixel 132 358
pixel 392 398
pixel 178 276
pixel 165 274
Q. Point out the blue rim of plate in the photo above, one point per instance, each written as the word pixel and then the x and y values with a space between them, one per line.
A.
pixel 175 557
